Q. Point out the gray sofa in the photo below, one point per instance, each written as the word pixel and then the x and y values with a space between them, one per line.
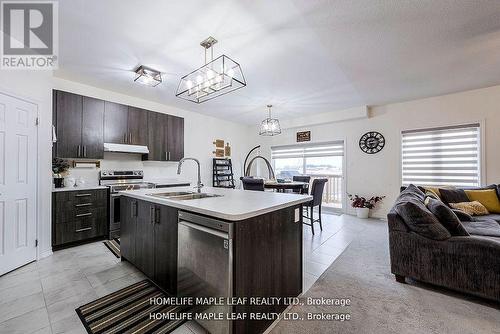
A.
pixel 469 262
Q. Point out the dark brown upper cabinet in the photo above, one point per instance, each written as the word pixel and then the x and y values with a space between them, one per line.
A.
pixel 137 126
pixel 84 124
pixel 157 136
pixel 175 138
pixel 79 126
pixel 92 128
pixel 125 125
pixel 115 123
pixel 166 137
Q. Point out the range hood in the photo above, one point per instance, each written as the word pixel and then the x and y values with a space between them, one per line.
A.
pixel 124 148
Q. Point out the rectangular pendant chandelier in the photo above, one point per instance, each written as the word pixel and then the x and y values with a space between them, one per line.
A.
pixel 217 77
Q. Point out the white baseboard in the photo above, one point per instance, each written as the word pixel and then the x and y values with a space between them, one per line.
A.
pixel 45 253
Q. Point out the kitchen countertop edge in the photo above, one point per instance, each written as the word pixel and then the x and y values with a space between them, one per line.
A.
pixel 230 217
pixel 93 187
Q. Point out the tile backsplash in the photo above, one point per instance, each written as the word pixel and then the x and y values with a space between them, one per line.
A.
pixel 123 161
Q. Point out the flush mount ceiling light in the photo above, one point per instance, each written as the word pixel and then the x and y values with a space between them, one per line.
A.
pixel 147 76
pixel 217 77
pixel 270 126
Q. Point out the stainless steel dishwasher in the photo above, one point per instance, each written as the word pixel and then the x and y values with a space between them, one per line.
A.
pixel 205 265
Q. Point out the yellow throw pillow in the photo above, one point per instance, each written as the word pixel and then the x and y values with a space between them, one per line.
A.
pixel 435 190
pixel 487 197
pixel 471 208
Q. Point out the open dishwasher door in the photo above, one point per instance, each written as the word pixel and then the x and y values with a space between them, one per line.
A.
pixel 205 265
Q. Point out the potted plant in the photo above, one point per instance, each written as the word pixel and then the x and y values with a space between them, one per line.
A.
pixel 59 170
pixel 362 205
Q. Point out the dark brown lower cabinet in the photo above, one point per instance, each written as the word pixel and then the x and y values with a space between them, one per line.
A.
pixel 267 254
pixel 78 216
pixel 149 240
pixel 128 214
pixel 267 263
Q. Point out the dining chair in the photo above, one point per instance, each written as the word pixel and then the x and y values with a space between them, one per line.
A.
pixel 249 183
pixel 318 186
pixel 302 178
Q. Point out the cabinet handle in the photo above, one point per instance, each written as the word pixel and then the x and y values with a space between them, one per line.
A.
pixel 134 209
pixel 130 138
pixel 125 138
pixel 83 229
pixel 79 151
pixel 157 215
pixel 85 151
pixel 82 195
pixel 151 214
pixel 168 156
pixel 84 214
pixel 83 204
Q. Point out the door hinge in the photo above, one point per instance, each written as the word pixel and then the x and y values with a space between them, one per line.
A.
pixel 36 242
pixel 37 121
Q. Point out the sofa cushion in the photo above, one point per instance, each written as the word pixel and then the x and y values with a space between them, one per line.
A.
pixel 446 217
pixel 412 192
pixel 420 220
pixel 487 197
pixel 472 208
pixel 494 216
pixel 464 217
pixel 449 195
pixel 488 228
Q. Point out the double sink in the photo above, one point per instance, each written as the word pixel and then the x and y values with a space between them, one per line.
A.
pixel 183 195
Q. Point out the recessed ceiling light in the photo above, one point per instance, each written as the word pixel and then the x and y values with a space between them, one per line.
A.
pixel 147 76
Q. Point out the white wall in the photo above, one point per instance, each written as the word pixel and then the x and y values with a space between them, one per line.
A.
pixel 379 174
pixel 200 131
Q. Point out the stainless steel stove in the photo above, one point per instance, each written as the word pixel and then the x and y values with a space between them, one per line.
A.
pixel 118 181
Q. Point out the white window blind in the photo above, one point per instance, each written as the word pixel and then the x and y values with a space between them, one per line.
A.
pixel 442 156
pixel 329 149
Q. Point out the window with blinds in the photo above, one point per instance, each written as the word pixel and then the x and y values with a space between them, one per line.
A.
pixel 442 156
pixel 308 150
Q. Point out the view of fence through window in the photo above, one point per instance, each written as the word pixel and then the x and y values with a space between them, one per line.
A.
pixel 323 160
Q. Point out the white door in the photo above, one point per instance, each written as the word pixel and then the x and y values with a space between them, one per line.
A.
pixel 18 161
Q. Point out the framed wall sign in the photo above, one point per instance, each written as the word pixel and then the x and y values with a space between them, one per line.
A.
pixel 303 136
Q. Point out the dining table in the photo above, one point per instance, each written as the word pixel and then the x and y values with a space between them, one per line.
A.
pixel 287 185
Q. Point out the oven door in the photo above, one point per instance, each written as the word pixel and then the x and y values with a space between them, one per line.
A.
pixel 114 216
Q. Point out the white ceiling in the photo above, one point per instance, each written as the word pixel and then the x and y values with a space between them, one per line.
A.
pixel 303 56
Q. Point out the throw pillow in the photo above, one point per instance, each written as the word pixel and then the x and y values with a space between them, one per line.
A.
pixel 420 220
pixel 434 190
pixel 431 194
pixel 488 198
pixel 453 195
pixel 446 217
pixel 412 191
pixel 472 208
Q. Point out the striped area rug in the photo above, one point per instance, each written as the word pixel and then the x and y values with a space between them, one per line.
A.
pixel 113 246
pixel 127 311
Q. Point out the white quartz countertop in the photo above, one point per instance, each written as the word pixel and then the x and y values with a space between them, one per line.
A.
pixel 84 187
pixel 233 205
pixel 166 181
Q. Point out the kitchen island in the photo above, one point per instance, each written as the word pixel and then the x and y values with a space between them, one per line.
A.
pixel 232 243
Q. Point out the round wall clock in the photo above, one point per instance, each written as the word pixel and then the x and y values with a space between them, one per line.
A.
pixel 372 142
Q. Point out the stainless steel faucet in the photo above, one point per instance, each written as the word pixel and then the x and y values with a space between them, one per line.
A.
pixel 199 185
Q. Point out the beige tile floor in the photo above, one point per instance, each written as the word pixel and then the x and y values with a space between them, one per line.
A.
pixel 41 297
